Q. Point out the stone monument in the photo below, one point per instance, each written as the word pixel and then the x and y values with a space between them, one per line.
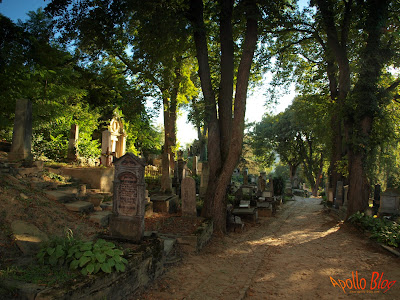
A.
pixel 339 194
pixel 22 133
pixel 73 138
pixel 113 141
pixel 188 194
pixel 129 201
pixel 166 182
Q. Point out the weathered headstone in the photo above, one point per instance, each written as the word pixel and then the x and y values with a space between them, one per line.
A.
pixel 22 133
pixel 204 179
pixel 194 167
pixel 330 195
pixel 106 149
pixel 345 193
pixel 390 202
pixel 377 197
pixel 166 182
pixel 261 185
pixel 339 194
pixel 188 194
pixel 245 177
pixel 73 138
pixel 129 200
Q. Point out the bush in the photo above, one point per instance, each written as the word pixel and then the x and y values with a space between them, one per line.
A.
pixel 88 257
pixel 382 230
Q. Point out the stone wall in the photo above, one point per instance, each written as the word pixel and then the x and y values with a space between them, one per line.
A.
pixel 97 178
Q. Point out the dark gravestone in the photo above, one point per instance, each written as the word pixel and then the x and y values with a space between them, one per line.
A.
pixel 339 194
pixel 22 133
pixel 377 198
pixel 129 201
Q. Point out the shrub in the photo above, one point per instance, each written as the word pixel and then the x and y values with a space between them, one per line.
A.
pixel 88 257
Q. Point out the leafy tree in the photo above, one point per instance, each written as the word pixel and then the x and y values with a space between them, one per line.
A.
pixel 353 42
pixel 225 133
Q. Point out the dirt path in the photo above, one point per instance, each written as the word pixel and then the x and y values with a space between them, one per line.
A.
pixel 290 256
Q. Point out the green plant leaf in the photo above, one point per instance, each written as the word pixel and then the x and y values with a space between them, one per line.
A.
pixel 106 268
pixel 109 252
pixel 74 264
pixel 88 253
pixel 83 261
pixel 52 260
pixel 84 272
pixel 59 251
pixel 111 262
pixel 120 267
pixel 97 267
pixel 118 252
pixel 50 250
pixel 86 246
pixel 78 255
pixel 90 268
pixel 101 257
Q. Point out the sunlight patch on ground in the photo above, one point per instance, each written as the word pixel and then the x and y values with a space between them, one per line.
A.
pixel 301 237
pixel 266 277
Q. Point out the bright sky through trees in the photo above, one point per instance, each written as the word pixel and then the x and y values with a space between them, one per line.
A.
pixel 18 9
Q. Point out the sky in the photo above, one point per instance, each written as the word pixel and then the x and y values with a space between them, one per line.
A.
pixel 186 133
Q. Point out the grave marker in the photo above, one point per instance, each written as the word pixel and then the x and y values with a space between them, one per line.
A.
pixel 188 194
pixel 129 198
pixel 73 138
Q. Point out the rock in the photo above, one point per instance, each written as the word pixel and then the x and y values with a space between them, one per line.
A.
pixel 23 196
pixel 27 237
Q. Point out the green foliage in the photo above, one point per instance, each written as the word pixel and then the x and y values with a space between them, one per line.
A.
pixel 279 185
pixel 382 230
pixel 88 257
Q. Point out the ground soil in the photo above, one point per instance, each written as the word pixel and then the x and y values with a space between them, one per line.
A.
pixel 293 255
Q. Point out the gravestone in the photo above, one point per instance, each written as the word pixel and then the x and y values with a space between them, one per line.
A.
pixel 188 194
pixel 377 198
pixel 22 133
pixel 129 201
pixel 330 195
pixel 73 138
pixel 113 142
pixel 339 194
pixel 194 167
pixel 204 179
pixel 345 193
pixel 245 178
pixel 389 202
pixel 262 184
pixel 166 182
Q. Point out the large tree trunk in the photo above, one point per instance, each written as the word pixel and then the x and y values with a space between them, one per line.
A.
pixel 223 162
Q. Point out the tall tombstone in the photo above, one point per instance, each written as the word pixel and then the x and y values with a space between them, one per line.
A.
pixel 22 133
pixel 245 177
pixel 166 182
pixel 106 148
pixel 188 194
pixel 129 200
pixel 194 167
pixel 377 197
pixel 339 194
pixel 205 172
pixel 73 138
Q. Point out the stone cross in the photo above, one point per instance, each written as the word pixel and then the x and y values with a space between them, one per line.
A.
pixel 188 194
pixel 22 133
pixel 73 138
pixel 129 201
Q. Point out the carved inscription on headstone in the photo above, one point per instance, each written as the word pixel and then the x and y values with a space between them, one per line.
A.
pixel 128 194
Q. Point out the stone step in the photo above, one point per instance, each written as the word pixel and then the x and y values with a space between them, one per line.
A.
pixel 61 196
pixel 106 206
pixel 79 206
pixel 101 217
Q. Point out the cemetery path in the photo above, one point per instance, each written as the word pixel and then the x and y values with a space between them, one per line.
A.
pixel 290 256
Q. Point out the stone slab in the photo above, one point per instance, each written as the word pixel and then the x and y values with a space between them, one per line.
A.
pixel 79 206
pixel 61 196
pixel 129 228
pixel 101 217
pixel 250 214
pixel 27 236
